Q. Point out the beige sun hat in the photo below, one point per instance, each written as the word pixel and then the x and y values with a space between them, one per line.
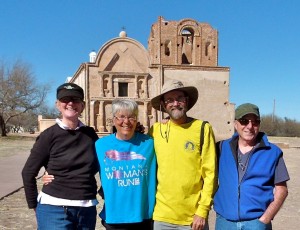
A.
pixel 170 85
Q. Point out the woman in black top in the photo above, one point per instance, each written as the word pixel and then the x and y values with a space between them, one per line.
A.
pixel 67 151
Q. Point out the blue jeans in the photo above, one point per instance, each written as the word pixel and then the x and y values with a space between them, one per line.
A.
pixel 223 224
pixel 50 217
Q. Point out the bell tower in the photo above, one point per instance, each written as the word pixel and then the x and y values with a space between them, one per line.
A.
pixel 184 42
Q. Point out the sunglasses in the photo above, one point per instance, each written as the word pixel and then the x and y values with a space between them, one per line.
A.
pixel 245 122
pixel 69 99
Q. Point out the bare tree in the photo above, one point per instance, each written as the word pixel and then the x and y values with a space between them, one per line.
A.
pixel 19 92
pixel 48 112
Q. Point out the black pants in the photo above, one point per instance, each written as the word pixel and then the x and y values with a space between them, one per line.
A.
pixel 145 225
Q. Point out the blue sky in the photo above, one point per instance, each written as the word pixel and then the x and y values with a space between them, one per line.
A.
pixel 258 40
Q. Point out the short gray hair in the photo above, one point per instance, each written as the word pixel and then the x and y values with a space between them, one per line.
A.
pixel 125 104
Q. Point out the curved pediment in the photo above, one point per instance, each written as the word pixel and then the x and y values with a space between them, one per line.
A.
pixel 123 55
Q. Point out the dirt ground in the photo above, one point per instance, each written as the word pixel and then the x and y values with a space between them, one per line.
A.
pixel 14 213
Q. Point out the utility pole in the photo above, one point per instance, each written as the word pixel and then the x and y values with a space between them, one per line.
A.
pixel 273 114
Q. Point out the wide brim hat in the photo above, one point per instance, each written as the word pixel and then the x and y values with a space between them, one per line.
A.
pixel 171 85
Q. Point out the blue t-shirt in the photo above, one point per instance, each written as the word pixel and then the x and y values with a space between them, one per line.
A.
pixel 128 178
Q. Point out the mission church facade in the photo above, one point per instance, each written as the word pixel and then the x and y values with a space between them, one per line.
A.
pixel 185 50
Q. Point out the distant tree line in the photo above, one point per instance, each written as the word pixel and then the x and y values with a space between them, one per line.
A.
pixel 282 127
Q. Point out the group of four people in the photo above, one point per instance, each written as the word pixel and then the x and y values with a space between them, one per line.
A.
pixel 171 177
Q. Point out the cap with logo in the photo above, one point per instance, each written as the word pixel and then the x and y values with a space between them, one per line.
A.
pixel 69 90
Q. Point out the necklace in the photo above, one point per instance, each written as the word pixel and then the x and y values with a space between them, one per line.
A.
pixel 243 160
pixel 167 131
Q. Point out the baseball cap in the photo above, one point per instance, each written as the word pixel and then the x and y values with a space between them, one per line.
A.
pixel 245 109
pixel 69 90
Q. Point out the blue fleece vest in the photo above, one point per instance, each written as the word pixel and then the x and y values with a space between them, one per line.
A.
pixel 249 199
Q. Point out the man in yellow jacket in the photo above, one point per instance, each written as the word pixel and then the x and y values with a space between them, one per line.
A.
pixel 186 161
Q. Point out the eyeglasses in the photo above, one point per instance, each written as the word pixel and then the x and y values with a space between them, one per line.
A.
pixel 180 99
pixel 123 118
pixel 69 99
pixel 245 122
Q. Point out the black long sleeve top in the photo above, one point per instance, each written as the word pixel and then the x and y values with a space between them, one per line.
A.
pixel 70 156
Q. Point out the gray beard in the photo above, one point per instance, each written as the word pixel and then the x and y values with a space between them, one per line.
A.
pixel 177 114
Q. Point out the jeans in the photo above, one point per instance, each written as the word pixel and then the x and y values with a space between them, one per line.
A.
pixel 223 224
pixel 50 217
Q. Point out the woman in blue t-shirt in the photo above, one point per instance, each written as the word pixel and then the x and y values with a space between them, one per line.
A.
pixel 127 171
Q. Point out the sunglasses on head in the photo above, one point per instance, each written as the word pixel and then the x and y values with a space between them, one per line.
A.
pixel 69 99
pixel 244 121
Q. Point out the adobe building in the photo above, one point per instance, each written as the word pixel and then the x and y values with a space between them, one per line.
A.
pixel 186 50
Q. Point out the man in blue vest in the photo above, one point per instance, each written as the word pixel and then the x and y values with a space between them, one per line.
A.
pixel 252 176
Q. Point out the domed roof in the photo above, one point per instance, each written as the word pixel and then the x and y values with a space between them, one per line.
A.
pixel 93 52
pixel 123 34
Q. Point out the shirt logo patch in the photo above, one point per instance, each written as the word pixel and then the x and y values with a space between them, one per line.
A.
pixel 189 146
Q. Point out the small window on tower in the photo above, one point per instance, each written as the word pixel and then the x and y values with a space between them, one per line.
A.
pixel 123 89
pixel 167 47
